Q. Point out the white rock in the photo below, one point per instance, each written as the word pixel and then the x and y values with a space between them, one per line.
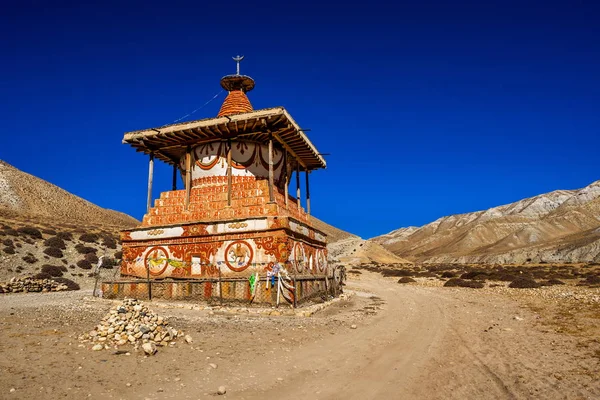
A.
pixel 188 339
pixel 149 348
pixel 98 347
pixel 222 390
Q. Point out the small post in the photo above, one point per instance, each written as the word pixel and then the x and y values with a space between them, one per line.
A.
pixel 298 184
pixel 150 176
pixel 188 177
pixel 271 193
pixel 220 287
pixel 307 172
pixel 285 176
pixel 174 177
pixel 229 172
pixel 148 282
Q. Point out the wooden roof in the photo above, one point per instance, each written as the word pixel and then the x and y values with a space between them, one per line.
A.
pixel 169 143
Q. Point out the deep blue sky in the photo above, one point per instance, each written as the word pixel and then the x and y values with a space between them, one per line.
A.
pixel 427 109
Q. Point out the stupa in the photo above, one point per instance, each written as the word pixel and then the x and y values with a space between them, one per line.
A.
pixel 233 227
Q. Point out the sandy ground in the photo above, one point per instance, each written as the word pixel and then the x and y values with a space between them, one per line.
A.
pixel 409 342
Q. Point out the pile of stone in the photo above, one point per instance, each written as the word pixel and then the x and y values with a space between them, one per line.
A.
pixel 17 285
pixel 132 323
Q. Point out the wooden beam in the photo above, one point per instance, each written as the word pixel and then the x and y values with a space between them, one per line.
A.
pixel 307 172
pixel 188 177
pixel 298 184
pixel 175 176
pixel 150 177
pixel 271 179
pixel 286 177
pixel 229 173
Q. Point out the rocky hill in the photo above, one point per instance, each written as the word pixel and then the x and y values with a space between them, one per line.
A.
pixel 22 194
pixel 560 226
pixel 47 231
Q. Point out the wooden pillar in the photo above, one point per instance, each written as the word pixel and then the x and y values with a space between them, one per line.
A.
pixel 271 193
pixel 150 177
pixel 307 193
pixel 298 184
pixel 188 177
pixel 286 177
pixel 229 173
pixel 175 177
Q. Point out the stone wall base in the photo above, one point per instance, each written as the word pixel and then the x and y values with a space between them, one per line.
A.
pixel 226 290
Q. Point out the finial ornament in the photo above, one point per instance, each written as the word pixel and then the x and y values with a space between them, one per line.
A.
pixel 238 59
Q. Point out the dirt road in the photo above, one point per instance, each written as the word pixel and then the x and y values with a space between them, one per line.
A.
pixel 388 342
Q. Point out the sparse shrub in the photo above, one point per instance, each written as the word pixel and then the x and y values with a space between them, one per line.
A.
pixel 65 235
pixel 118 255
pixel 406 279
pixel 448 274
pixel 551 282
pixel 109 241
pixel 459 282
pixel 524 282
pixel 54 252
pixel 355 272
pixel 64 261
pixel 30 258
pixel 593 279
pixel 30 231
pixel 8 242
pixel 81 249
pixel 18 245
pixel 72 266
pixel 52 270
pixel 9 250
pixel 11 232
pixel 49 231
pixel 475 275
pixel 55 242
pixel 84 264
pixel 69 283
pixel 89 237
pixel 92 258
pixel 42 275
pixel 396 272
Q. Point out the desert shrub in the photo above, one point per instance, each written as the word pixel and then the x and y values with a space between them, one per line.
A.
pixel 49 231
pixel 118 255
pixel 109 262
pixel 9 250
pixel 593 279
pixel 476 275
pixel 551 282
pixel 69 283
pixel 30 231
pixel 18 245
pixel 64 261
pixel 81 249
pixel 72 266
pixel 89 237
pixel 11 232
pixel 524 282
pixel 55 242
pixel 109 241
pixel 503 276
pixel 42 275
pixel 92 258
pixel 54 252
pixel 30 258
pixel 355 272
pixel 459 282
pixel 65 235
pixel 52 270
pixel 448 274
pixel 8 242
pixel 406 279
pixel 396 272
pixel 84 264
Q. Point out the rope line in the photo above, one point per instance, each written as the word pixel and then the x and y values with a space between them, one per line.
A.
pixel 197 109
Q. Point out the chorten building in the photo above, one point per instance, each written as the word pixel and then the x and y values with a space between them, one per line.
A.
pixel 233 229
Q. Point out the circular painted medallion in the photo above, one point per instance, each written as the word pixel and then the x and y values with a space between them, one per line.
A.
pixel 157 261
pixel 321 261
pixel 238 255
pixel 299 257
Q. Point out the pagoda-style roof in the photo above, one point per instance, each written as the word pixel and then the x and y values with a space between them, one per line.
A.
pixel 169 143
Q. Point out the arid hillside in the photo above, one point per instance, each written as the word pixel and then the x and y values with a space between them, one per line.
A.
pixel 22 194
pixel 47 231
pixel 560 226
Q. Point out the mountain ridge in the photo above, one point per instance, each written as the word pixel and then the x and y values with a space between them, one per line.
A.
pixel 559 226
